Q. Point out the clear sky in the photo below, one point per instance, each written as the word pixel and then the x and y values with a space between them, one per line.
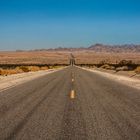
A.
pixel 32 24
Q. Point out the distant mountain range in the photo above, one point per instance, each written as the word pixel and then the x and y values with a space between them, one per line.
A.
pixel 115 48
pixel 99 48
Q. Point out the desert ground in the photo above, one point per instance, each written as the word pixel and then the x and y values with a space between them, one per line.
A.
pixel 62 57
pixel 91 57
pixel 34 57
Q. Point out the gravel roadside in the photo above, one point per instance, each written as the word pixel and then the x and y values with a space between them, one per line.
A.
pixel 16 79
pixel 124 79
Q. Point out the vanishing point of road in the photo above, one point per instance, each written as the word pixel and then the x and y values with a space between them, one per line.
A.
pixel 70 104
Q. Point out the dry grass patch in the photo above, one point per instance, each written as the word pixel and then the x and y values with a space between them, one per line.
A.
pixel 17 70
pixel 10 71
pixel 29 68
pixel 22 69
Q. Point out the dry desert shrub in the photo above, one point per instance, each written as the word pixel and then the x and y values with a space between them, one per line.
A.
pixel 56 67
pixel 123 68
pixel 24 68
pixel 29 68
pixel 105 66
pixel 33 68
pixel 44 68
pixel 137 70
pixel 0 71
pixel 108 67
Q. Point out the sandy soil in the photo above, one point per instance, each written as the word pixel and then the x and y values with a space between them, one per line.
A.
pixel 16 79
pixel 124 79
pixel 91 57
pixel 34 57
pixel 62 57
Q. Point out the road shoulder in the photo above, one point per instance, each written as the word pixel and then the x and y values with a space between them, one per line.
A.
pixel 129 81
pixel 10 81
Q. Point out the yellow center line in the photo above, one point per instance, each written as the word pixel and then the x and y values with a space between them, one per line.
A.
pixel 72 94
pixel 72 80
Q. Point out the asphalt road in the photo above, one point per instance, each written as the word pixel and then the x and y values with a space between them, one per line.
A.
pixel 71 104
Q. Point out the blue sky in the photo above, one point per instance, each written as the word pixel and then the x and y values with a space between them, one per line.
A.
pixel 32 24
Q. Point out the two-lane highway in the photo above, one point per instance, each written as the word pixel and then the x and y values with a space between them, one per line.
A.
pixel 70 104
